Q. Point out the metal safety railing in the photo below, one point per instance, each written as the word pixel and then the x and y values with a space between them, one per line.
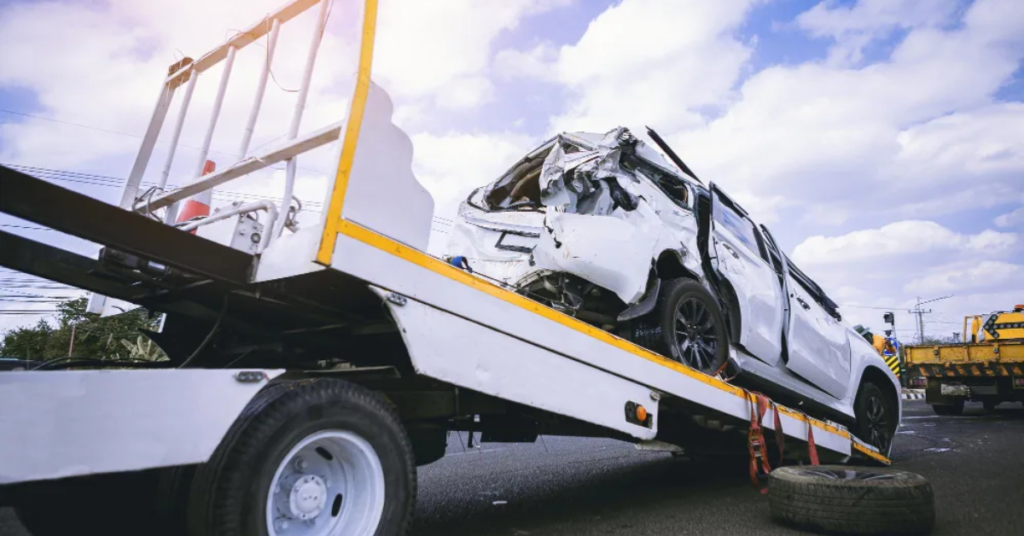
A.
pixel 187 73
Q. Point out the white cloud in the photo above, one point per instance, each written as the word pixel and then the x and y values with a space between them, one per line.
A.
pixel 823 136
pixel 1010 218
pixel 987 142
pixel 898 241
pixel 104 66
pixel 890 266
pixel 451 165
pixel 539 62
pixel 465 93
pixel 428 49
pixel 644 61
pixel 965 278
pixel 854 26
pixel 911 128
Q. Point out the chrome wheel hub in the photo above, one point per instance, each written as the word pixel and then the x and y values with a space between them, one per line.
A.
pixel 307 497
pixel 330 484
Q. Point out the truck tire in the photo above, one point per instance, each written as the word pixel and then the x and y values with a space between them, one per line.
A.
pixel 322 453
pixel 690 327
pixel 956 408
pixel 852 500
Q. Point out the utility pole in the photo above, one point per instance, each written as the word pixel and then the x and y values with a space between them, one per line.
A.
pixel 920 315
pixel 71 347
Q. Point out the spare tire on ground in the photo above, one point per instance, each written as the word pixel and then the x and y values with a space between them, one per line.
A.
pixel 852 500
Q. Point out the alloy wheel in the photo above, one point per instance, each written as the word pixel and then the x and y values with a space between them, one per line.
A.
pixel 695 335
pixel 877 415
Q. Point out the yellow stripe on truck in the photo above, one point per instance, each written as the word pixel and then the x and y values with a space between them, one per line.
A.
pixel 366 236
pixel 348 148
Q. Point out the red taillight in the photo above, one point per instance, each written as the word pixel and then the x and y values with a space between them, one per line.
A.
pixel 919 382
pixel 1018 383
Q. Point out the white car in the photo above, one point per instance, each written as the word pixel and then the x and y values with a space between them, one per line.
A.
pixel 606 229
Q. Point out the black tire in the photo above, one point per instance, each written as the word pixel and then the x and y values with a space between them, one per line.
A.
pixel 876 417
pixel 685 304
pixel 956 408
pixel 229 493
pixel 989 405
pixel 848 500
pixel 117 504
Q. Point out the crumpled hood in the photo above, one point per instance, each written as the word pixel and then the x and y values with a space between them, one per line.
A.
pixel 573 206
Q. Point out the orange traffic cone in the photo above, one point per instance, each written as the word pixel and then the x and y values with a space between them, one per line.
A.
pixel 199 204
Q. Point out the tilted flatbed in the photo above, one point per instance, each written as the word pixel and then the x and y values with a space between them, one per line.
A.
pixel 306 381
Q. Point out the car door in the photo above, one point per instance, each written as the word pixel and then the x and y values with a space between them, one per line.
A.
pixel 741 258
pixel 817 342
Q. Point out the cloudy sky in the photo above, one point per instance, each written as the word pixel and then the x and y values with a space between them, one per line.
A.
pixel 882 141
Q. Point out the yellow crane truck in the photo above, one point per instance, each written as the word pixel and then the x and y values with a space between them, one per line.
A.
pixel 987 365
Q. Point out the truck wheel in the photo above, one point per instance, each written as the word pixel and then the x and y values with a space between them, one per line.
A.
pixel 956 408
pixel 315 458
pixel 876 418
pixel 847 500
pixel 989 404
pixel 690 327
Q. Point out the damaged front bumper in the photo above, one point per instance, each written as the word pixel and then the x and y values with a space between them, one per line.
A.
pixel 603 208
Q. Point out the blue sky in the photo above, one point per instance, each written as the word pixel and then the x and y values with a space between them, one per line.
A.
pixel 881 140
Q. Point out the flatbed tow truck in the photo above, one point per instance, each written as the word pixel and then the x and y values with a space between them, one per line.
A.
pixel 310 373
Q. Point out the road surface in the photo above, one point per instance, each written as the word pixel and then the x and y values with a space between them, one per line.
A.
pixel 568 486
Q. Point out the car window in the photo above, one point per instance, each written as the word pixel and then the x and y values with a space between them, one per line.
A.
pixel 739 226
pixel 772 249
pixel 817 294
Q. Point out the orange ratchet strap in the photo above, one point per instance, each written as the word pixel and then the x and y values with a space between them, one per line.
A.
pixel 756 446
pixel 812 450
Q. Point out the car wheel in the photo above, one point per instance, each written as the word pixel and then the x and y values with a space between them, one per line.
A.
pixel 690 329
pixel 876 418
pixel 957 408
pixel 845 500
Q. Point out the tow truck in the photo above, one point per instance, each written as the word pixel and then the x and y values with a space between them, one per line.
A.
pixel 987 365
pixel 310 372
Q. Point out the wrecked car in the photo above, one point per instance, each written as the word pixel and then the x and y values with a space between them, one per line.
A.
pixel 604 228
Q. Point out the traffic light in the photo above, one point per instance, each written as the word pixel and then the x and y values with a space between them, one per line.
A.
pixel 888 318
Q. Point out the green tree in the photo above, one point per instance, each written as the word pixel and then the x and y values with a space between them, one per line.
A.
pixel 94 337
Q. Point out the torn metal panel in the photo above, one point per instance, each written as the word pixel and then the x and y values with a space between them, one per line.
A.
pixel 602 207
pixel 614 252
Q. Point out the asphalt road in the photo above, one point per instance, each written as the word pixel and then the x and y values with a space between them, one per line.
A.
pixel 567 486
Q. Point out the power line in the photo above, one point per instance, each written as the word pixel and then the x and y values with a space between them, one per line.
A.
pixel 115 182
pixel 50 119
pixel 30 228
pixel 20 293
pixel 136 136
pixel 109 181
pixel 921 312
pixel 26 312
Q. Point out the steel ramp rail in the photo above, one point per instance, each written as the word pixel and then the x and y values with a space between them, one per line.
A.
pixel 39 201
